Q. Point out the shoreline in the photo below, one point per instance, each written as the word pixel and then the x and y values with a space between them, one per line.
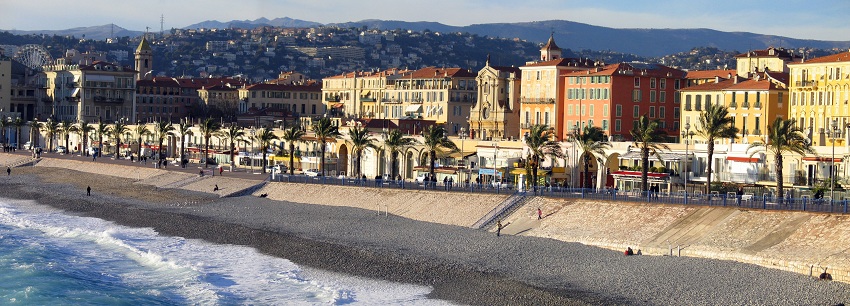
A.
pixel 461 265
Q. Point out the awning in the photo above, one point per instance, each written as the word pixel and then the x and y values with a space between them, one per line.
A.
pixel 743 159
pixel 75 93
pixel 338 105
pixel 364 93
pixel 822 159
pixel 664 156
pixel 638 174
pixel 559 175
pixel 518 171
pixel 100 78
pixel 413 109
pixel 462 154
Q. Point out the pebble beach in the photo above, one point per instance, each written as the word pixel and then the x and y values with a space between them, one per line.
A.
pixel 462 265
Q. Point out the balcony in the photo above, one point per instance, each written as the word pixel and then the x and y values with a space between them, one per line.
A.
pixel 367 99
pixel 745 104
pixel 756 132
pixel 733 104
pixel 332 99
pixel 806 84
pixel 757 105
pixel 102 99
pixel 538 100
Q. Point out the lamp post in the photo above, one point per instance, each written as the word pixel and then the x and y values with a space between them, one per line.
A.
pixel 253 133
pixel 576 135
pixel 687 135
pixel 836 133
pixel 462 136
pixel 495 152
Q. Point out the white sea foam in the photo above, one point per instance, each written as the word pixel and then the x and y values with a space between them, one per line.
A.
pixel 201 272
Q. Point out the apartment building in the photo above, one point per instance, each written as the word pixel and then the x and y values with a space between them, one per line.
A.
pixel 355 94
pixel 615 96
pixel 295 100
pixel 96 91
pixel 820 90
pixel 767 60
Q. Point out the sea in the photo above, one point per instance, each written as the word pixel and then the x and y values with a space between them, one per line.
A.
pixel 49 257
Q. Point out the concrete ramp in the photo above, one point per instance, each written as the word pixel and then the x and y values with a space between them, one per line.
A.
pixel 691 228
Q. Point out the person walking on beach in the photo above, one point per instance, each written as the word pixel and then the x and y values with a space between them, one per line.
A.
pixel 499 227
pixel 88 190
pixel 539 214
pixel 8 171
pixel 216 187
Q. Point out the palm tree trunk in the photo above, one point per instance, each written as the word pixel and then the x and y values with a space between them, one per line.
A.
pixel 644 168
pixel 264 160
pixel 85 140
pixel 291 158
pixel 322 158
pixel 710 156
pixel 586 170
pixel 780 192
pixel 431 160
pixel 232 148
pixel 359 160
pixel 206 151
pixel 67 139
pixel 534 168
pixel 139 151
pixel 393 158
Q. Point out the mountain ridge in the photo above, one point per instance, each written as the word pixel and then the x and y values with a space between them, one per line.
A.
pixel 649 42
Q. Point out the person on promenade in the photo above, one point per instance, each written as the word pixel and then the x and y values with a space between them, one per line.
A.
pixel 220 170
pixel 446 182
pixel 88 190
pixel 8 171
pixel 201 173
pixel 451 182
pixel 539 214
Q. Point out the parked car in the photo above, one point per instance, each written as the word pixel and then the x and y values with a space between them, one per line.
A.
pixel 503 184
pixel 28 145
pixel 312 172
pixel 421 177
pixel 62 150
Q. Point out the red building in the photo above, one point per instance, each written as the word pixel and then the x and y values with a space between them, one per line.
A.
pixel 615 96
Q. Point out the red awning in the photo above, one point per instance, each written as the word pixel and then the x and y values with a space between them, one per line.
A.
pixel 638 173
pixel 822 159
pixel 743 159
pixel 338 105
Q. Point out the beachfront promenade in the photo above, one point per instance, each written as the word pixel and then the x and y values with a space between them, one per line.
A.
pixel 802 242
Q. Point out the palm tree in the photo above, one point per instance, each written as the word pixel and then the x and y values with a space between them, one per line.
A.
pixel 141 131
pixel 782 136
pixel 232 134
pixel 184 128
pixel 85 129
pixel 715 123
pixel 324 129
pixel 51 128
pixel 208 128
pixel 4 123
pixel 648 138
pixel 118 129
pixel 360 140
pixel 292 135
pixel 591 142
pixel 67 128
pixel 18 123
pixel 541 142
pixel 163 129
pixel 264 139
pixel 35 129
pixel 102 129
pixel 397 142
pixel 436 140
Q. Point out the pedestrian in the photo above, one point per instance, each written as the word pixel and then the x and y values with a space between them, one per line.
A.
pixel 88 190
pixel 446 182
pixel 216 187
pixel 201 173
pixel 539 214
pixel 499 228
pixel 8 171
pixel 451 182
pixel 220 170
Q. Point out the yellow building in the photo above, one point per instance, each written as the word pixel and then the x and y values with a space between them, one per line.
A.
pixel 753 103
pixel 357 94
pixel 496 114
pixel 770 59
pixel 820 90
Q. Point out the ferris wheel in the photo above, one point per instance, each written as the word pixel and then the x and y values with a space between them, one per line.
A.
pixel 33 56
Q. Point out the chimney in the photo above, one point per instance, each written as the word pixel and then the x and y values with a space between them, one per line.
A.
pixel 736 79
pixel 716 79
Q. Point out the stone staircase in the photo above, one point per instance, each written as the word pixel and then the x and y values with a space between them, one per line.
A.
pixel 507 207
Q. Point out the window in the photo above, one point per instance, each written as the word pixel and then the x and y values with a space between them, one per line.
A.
pixel 527 118
pixel 583 109
pixel 652 112
pixel 570 109
pixel 636 95
pixel 652 96
pixel 677 84
pixel 538 75
pixel 636 111
pixel 591 110
pixel 757 132
pixel 698 103
pixel 590 122
pixel 652 83
pixel 618 110
pixel 546 118
pixel 661 112
pixel 605 110
pixel 675 113
pixel 313 109
pixel 663 97
pixel 617 125
pixel 663 84
pixel 537 118
pixel 637 82
pixel 688 103
pixel 780 97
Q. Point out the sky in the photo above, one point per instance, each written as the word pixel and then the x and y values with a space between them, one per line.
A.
pixel 810 19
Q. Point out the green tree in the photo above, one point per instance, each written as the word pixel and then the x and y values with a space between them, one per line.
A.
pixel 715 123
pixel 264 139
pixel 102 129
pixel 51 129
pixel 118 129
pixel 360 140
pixel 324 130
pixel 541 142
pixel 592 143
pixel 18 123
pixel 208 128
pixel 141 130
pixel 35 130
pixel 66 127
pixel 232 134
pixel 648 138
pixel 85 128
pixel 435 140
pixel 4 123
pixel 396 142
pixel 163 128
pixel 292 135
pixel 782 136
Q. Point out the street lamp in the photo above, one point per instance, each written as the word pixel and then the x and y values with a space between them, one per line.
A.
pixel 836 133
pixel 462 135
pixel 253 133
pixel 687 135
pixel 576 135
pixel 495 152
